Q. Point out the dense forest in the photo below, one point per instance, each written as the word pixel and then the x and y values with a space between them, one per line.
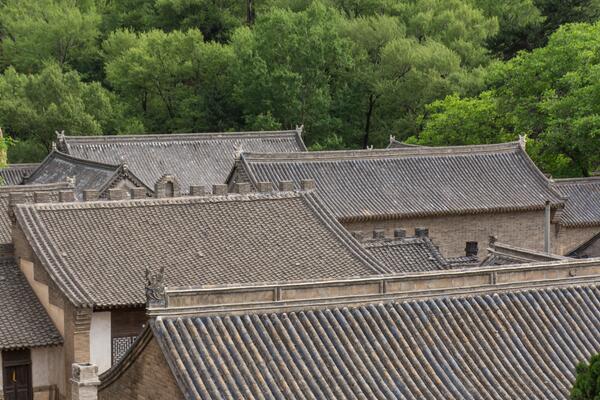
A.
pixel 353 72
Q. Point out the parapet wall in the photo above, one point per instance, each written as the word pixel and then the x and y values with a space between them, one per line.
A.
pixel 291 296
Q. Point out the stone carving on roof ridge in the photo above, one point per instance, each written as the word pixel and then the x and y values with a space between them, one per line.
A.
pixel 155 288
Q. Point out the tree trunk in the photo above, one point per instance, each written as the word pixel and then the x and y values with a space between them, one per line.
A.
pixel 250 16
pixel 368 121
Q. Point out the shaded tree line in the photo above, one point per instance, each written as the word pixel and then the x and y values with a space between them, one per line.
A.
pixel 352 71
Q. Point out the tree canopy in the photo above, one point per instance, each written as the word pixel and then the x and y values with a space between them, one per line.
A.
pixel 587 381
pixel 352 72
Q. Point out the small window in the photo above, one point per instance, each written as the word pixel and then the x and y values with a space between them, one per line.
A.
pixel 471 249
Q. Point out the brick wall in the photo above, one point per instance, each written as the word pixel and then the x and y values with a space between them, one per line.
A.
pixel 147 378
pixel 450 233
pixel 570 238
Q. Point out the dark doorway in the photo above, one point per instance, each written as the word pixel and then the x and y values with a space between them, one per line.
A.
pixel 16 373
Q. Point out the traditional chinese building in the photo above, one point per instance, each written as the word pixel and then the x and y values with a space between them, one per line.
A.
pixel 579 225
pixel 87 260
pixel 193 159
pixel 461 194
pixel 514 332
pixel 84 174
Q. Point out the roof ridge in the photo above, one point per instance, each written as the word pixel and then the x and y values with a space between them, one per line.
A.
pixel 5 190
pixel 585 180
pixel 208 198
pixel 335 155
pixel 325 215
pixel 177 136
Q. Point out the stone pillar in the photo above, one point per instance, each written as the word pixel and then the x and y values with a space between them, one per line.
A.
pixel 84 382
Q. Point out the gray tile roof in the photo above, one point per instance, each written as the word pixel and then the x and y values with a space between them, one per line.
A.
pixel 511 345
pixel 28 190
pixel 506 254
pixel 407 254
pixel 194 159
pixel 13 174
pixel 59 167
pixel 582 207
pixel 23 320
pixel 97 252
pixel 413 181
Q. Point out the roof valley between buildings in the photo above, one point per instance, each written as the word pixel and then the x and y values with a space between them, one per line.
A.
pixel 583 201
pixel 96 252
pixel 367 184
pixel 518 344
pixel 194 159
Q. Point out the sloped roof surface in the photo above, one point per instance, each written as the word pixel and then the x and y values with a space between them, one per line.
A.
pixel 194 159
pixel 582 207
pixel 58 167
pixel 28 190
pixel 13 174
pixel 407 254
pixel 23 320
pixel 413 181
pixel 514 345
pixel 97 252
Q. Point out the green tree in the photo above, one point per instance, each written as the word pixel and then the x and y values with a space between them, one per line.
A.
pixel 35 31
pixel 173 81
pixel 587 381
pixel 34 106
pixel 290 65
pixel 550 94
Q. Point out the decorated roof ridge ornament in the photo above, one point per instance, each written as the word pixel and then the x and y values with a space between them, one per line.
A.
pixel 237 151
pixel 60 136
pixel 300 129
pixel 392 139
pixel 155 288
pixel 523 141
pixel 492 242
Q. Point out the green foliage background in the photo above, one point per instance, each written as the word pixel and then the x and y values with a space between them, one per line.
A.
pixel 353 72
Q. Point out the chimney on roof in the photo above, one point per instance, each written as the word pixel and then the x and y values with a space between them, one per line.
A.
pixel 117 194
pixel 220 189
pixel 379 234
pixel 41 197
pixel 308 184
pixel 471 249
pixel 197 190
pixel 66 196
pixel 358 235
pixel 90 195
pixel 84 381
pixel 264 187
pixel 167 186
pixel 421 232
pixel 242 188
pixel 137 193
pixel 286 186
pixel 399 233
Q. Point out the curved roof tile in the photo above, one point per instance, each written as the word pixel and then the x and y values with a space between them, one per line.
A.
pixel 194 159
pixel 514 345
pixel 413 181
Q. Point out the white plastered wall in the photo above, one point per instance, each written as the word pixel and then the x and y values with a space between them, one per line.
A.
pixel 100 340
